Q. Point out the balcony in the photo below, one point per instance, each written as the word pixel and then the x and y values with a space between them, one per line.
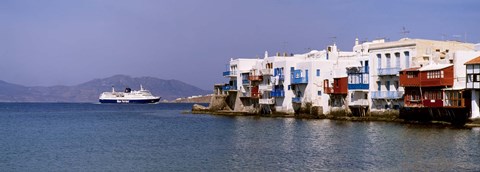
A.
pixel 265 87
pixel 267 72
pixel 281 77
pixel 255 78
pixel 277 93
pixel 269 101
pixel 227 88
pixel 358 70
pixel 432 103
pixel 339 86
pixel 255 95
pixel 388 71
pixel 296 100
pixel 387 94
pixel 299 80
pixel 328 90
pixel 359 102
pixel 229 73
pixel 358 86
pixel 454 102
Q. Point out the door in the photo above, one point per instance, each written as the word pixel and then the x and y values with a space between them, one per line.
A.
pixel 366 66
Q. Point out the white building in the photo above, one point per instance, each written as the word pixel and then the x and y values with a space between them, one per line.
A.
pixel 291 83
pixel 388 58
pixel 473 81
pixel 359 80
pixel 287 83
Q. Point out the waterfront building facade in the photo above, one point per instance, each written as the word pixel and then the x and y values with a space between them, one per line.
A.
pixel 389 58
pixel 472 82
pixel 359 80
pixel 376 76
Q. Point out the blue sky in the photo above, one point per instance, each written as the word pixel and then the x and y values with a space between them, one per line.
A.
pixel 67 42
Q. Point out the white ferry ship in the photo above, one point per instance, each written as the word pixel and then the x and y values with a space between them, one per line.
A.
pixel 128 96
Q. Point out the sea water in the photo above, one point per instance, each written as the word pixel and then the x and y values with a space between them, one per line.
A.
pixel 162 137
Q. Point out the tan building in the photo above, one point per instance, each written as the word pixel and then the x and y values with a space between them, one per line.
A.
pixel 388 58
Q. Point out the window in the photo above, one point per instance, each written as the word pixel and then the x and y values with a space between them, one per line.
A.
pixel 476 78
pixel 412 74
pixel 379 61
pixel 407 59
pixel 388 60
pixel 387 85
pixel 319 93
pixel 469 78
pixel 365 67
pixel 397 60
pixel 379 85
pixel 318 72
pixel 434 74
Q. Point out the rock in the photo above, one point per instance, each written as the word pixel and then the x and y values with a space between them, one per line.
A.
pixel 197 107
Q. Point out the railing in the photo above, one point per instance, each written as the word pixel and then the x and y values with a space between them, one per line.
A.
pixel 296 100
pixel 358 70
pixel 454 102
pixel 277 93
pixel 265 87
pixel 269 101
pixel 432 103
pixel 358 86
pixel 359 102
pixel 387 94
pixel 229 73
pixel 437 82
pixel 281 77
pixel 267 71
pixel 255 78
pixel 227 87
pixel 388 71
pixel 299 80
pixel 255 95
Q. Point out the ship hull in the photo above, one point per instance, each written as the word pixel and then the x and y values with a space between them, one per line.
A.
pixel 134 101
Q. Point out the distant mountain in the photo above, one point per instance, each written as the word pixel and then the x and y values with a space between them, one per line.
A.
pixel 89 91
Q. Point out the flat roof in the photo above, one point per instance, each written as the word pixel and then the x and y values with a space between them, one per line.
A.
pixel 434 67
pixel 411 69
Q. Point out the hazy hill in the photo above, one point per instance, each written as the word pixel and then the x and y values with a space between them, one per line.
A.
pixel 89 91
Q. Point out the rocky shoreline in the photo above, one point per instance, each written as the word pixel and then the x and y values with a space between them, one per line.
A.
pixel 385 117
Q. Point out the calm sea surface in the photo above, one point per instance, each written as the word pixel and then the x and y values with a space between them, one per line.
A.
pixel 95 137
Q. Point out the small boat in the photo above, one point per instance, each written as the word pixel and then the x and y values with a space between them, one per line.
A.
pixel 141 96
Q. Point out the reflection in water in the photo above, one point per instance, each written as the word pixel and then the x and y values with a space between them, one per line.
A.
pixel 292 144
pixel 62 137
